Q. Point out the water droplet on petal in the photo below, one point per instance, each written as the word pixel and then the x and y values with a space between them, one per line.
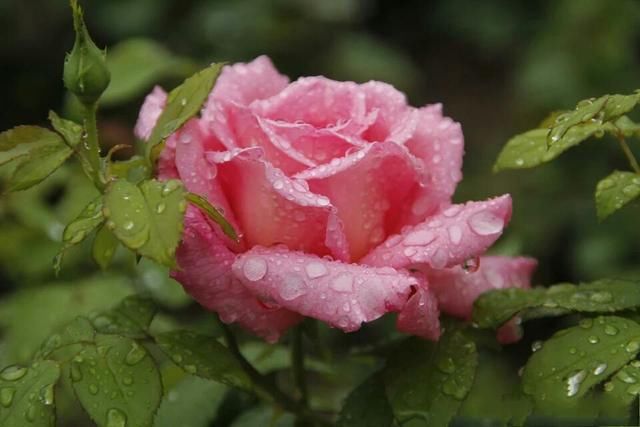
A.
pixel 455 234
pixel 485 223
pixel 254 268
pixel 342 283
pixel 439 259
pixel 292 287
pixel 419 238
pixel 315 269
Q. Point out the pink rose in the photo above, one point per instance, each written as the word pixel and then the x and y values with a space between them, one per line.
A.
pixel 341 193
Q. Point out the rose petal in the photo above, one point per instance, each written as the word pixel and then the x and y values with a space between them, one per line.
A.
pixel 244 83
pixel 457 289
pixel 317 101
pixel 150 112
pixel 395 120
pixel 510 332
pixel 439 143
pixel 197 174
pixel 420 314
pixel 452 236
pixel 368 188
pixel 205 272
pixel 272 208
pixel 343 295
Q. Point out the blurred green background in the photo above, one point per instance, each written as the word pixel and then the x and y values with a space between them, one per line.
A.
pixel 498 66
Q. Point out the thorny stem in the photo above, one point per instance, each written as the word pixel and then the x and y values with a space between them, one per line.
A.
pixel 627 151
pixel 297 362
pixel 266 386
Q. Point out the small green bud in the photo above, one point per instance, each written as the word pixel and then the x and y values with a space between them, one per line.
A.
pixel 85 69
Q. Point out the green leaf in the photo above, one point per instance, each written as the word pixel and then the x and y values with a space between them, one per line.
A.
pixel 367 406
pixel 116 382
pixel 495 400
pixel 27 395
pixel 427 381
pixel 615 191
pixel 183 103
pixel 26 324
pixel 619 394
pixel 627 126
pixel 584 112
pixel 104 247
pixel 130 318
pixel 37 151
pixel 493 308
pixel 530 149
pixel 574 360
pixel 136 64
pixel 133 169
pixel 63 346
pixel 70 131
pixel 193 402
pixel 77 230
pixel 263 415
pixel 203 356
pixel 213 213
pixel 147 218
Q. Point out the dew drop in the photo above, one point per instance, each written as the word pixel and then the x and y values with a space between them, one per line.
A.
pixel 13 373
pixel 610 330
pixel 128 225
pixel 176 358
pixel 574 381
pixel 93 389
pixel 593 339
pixel 254 268
pixel 292 287
pixel 342 283
pixel 471 265
pixel 30 415
pixel 315 269
pixel 632 347
pixel 116 418
pixel 600 369
pixel 419 238
pixel 76 373
pixel 485 223
pixel 446 365
pixel 601 297
pixel 455 234
pixel 191 369
pixel 160 207
pixel 127 380
pixel 6 396
pixel 439 259
pixel 409 252
pixel 536 345
pixel 135 355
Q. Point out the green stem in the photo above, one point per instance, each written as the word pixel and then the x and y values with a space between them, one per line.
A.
pixel 297 363
pixel 266 386
pixel 627 152
pixel 91 146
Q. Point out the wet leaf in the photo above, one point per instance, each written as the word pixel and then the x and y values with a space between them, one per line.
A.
pixel 147 218
pixel 426 382
pixel 116 382
pixel 27 395
pixel 78 230
pixel 615 191
pixel 130 318
pixel 183 103
pixel 367 406
pixel 204 357
pixel 104 247
pixel 602 296
pixel 574 360
pixel 64 344
pixel 70 131
pixel 619 393
pixel 213 213
pixel 584 112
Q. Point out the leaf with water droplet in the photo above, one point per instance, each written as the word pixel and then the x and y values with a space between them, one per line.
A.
pixel 104 247
pixel 530 148
pixel 76 231
pixel 556 377
pixel 418 389
pixel 131 209
pixel 619 394
pixel 367 405
pixel 36 152
pixel 176 112
pixel 134 390
pixel 213 213
pixel 66 344
pixel 602 296
pixel 616 191
pixel 130 318
pixel 206 357
pixel 584 112
pixel 23 397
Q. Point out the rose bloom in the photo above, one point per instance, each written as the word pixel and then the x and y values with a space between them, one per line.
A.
pixel 341 194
